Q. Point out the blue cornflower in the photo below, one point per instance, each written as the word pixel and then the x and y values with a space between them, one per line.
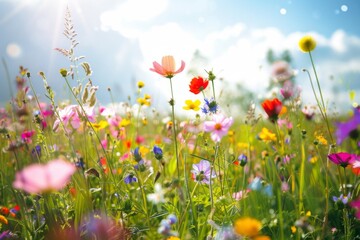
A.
pixel 137 154
pixel 210 106
pixel 158 152
pixel 130 178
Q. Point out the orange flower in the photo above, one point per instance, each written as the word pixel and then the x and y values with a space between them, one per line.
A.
pixel 247 227
pixel 167 67
pixel 272 108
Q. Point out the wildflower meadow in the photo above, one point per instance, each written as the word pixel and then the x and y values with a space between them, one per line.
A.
pixel 77 169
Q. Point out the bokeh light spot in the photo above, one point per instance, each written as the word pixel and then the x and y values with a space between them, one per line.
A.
pixel 283 11
pixel 13 50
pixel 344 8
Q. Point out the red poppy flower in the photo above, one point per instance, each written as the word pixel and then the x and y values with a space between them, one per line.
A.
pixel 272 108
pixel 198 84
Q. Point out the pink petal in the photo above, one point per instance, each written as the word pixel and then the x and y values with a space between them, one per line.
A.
pixel 181 67
pixel 59 173
pixel 158 68
pixel 209 126
pixel 31 179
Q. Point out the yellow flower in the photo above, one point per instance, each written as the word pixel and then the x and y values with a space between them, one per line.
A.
pixel 140 84
pixel 313 160
pixel 293 229
pixel 143 150
pixel 308 213
pixel 147 96
pixel 100 125
pixel 124 122
pixel 143 101
pixel 63 72
pixel 173 238
pixel 267 135
pixel 3 220
pixel 144 121
pixel 192 105
pixel 247 227
pixel 321 140
pixel 307 44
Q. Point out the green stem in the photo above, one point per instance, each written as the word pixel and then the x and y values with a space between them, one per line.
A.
pixel 281 219
pixel 213 89
pixel 143 196
pixel 187 205
pixel 322 105
pixel 302 177
pixel 172 103
pixel 326 218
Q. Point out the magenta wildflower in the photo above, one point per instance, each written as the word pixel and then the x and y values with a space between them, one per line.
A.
pixel 219 126
pixel 201 172
pixel 342 158
pixel 27 135
pixel 356 204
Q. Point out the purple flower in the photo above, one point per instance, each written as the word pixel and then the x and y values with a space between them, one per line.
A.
pixel 349 128
pixel 36 152
pixel 342 198
pixel 201 172
pixel 140 166
pixel 342 158
pixel 242 160
pixel 130 179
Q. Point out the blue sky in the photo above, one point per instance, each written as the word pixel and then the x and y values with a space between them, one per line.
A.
pixel 120 39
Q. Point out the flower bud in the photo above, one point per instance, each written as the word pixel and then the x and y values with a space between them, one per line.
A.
pixel 242 160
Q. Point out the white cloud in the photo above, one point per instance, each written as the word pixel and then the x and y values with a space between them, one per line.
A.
pixel 236 53
pixel 126 16
pixel 337 41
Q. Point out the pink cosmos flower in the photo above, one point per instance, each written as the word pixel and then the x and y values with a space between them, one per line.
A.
pixel 167 67
pixel 72 114
pixel 40 178
pixel 219 126
pixel 237 196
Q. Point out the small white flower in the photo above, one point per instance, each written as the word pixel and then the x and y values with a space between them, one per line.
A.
pixel 158 195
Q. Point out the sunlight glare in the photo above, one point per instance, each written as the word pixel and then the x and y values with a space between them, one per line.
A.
pixel 13 50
